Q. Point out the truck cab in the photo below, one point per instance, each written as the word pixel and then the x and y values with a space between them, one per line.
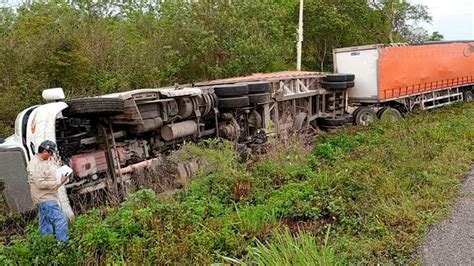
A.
pixel 32 126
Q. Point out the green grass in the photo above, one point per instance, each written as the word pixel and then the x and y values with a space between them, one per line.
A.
pixel 361 195
pixel 288 249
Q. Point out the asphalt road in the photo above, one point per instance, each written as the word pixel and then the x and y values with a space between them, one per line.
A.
pixel 451 242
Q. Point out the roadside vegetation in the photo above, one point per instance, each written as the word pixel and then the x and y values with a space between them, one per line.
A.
pixel 360 195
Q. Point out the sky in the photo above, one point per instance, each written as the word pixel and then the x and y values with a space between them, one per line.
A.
pixel 454 19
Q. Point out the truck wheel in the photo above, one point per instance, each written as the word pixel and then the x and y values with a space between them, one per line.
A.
pixel 389 113
pixel 337 122
pixel 259 98
pixel 364 116
pixel 259 87
pixel 233 102
pixel 334 85
pixel 231 90
pixel 468 96
pixel 354 114
pixel 350 77
pixel 335 78
pixel 95 106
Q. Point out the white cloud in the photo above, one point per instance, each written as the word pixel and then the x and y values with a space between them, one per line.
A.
pixel 452 18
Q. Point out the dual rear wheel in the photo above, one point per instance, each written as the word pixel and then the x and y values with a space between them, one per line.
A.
pixel 365 115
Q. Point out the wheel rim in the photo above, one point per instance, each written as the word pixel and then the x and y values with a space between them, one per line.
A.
pixel 366 118
pixel 469 96
pixel 390 113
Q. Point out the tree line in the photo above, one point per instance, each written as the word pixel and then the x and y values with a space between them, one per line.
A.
pixel 93 47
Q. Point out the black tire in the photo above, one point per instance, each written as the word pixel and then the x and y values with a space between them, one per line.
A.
pixel 231 90
pixel 259 87
pixel 233 102
pixel 364 116
pixel 350 84
pixel 354 114
pixel 350 77
pixel 349 119
pixel 259 98
pixel 335 78
pixel 339 121
pixel 468 96
pixel 95 106
pixel 329 128
pixel 387 112
pixel 334 85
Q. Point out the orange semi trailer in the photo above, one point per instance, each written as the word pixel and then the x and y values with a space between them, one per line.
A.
pixel 397 78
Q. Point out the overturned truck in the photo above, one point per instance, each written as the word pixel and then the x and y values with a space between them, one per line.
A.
pixel 106 139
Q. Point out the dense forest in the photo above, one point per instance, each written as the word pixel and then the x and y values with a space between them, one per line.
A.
pixel 93 47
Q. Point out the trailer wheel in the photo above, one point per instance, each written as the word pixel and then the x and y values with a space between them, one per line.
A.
pixel 389 113
pixel 259 98
pixel 335 78
pixel 329 128
pixel 231 90
pixel 468 96
pixel 94 106
pixel 364 116
pixel 354 114
pixel 334 85
pixel 233 102
pixel 259 87
pixel 350 77
pixel 338 121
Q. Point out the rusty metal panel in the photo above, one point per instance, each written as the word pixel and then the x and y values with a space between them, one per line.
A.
pixel 411 69
pixel 13 174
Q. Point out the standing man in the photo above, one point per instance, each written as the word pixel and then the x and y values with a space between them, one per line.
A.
pixel 44 191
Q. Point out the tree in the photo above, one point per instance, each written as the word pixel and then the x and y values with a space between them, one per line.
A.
pixel 436 36
pixel 93 47
pixel 330 24
pixel 398 16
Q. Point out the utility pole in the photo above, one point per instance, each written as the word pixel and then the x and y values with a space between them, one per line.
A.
pixel 300 38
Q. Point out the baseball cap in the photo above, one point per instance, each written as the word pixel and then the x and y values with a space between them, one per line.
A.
pixel 49 145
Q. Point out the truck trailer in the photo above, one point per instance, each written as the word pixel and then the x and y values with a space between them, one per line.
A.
pixel 107 139
pixel 398 78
